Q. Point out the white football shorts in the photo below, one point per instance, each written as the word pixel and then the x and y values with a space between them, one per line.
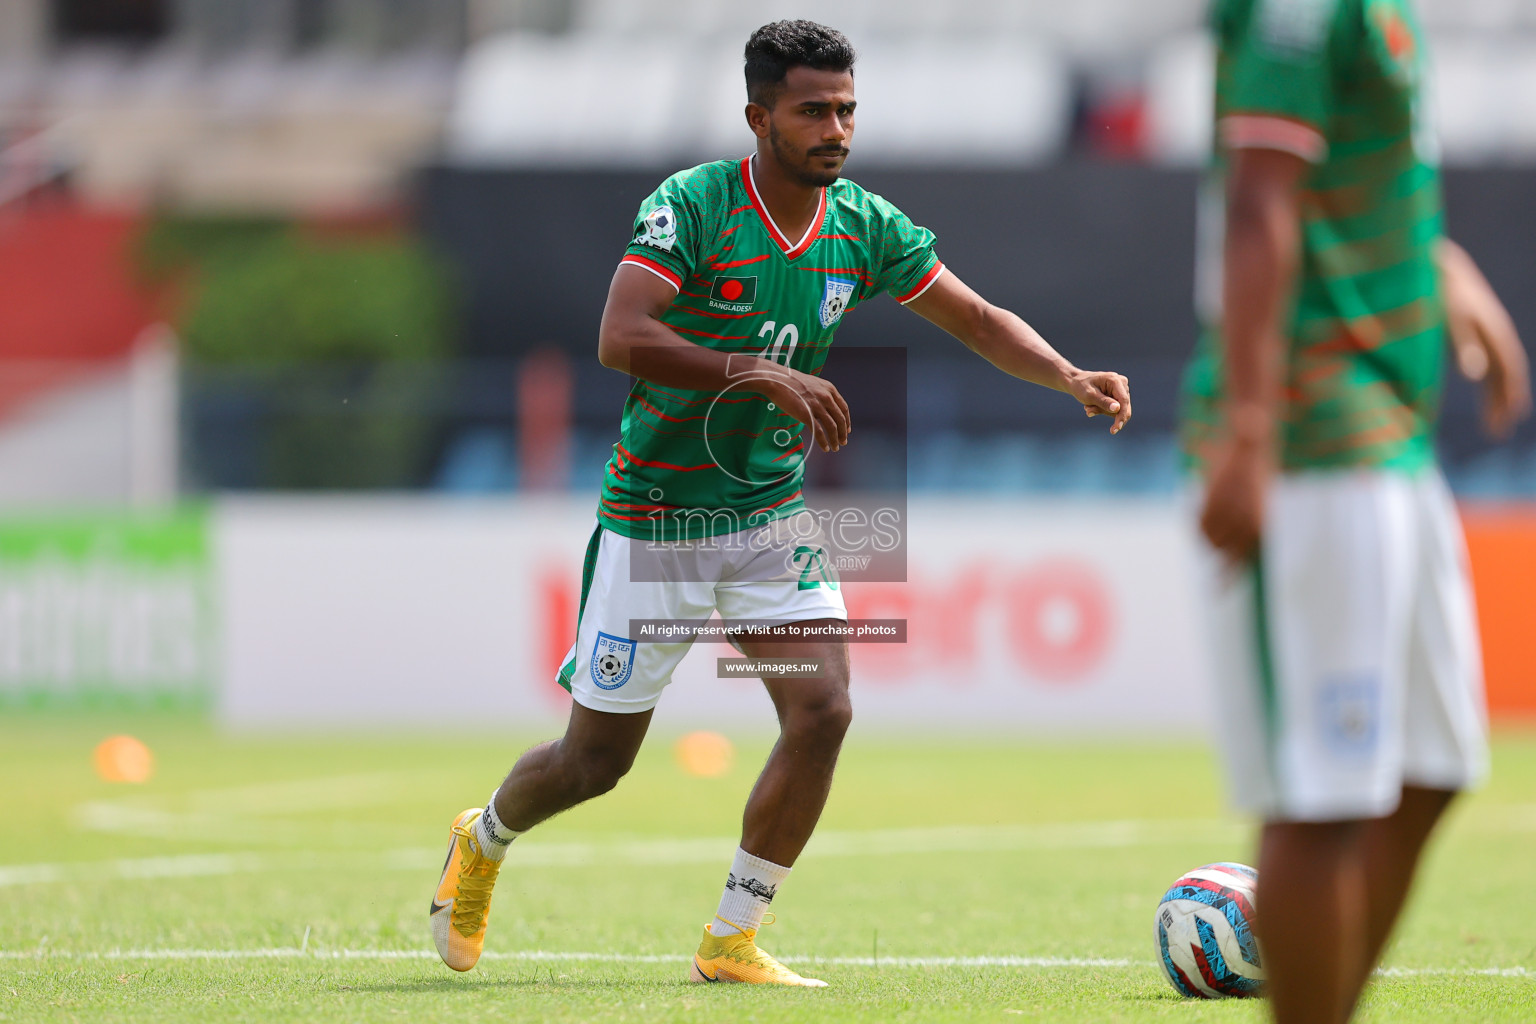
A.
pixel 1347 661
pixel 777 571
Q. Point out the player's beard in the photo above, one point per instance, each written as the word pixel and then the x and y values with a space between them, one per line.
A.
pixel 797 164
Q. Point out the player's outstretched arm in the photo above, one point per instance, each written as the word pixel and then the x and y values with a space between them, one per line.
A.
pixel 633 340
pixel 1011 345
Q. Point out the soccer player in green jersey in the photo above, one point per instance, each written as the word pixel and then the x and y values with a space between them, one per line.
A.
pixel 1350 681
pixel 723 308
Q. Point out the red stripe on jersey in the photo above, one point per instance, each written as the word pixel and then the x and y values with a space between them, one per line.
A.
pixel 640 508
pixel 637 460
pixel 738 263
pixel 723 316
pixel 851 238
pixel 765 508
pixel 779 238
pixel 858 272
pixel 706 334
pixel 660 270
pixel 797 448
pixel 739 209
pixel 673 419
pixel 614 515
pixel 674 397
pixel 923 284
pixel 732 228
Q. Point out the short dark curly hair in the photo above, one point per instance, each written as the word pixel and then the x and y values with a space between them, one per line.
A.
pixel 774 49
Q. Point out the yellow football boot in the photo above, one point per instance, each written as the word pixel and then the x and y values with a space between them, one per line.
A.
pixel 462 903
pixel 737 958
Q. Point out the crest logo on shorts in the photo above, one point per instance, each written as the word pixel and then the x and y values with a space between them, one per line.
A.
pixel 834 300
pixel 659 229
pixel 1349 712
pixel 613 658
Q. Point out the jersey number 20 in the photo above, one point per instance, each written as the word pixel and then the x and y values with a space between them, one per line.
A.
pixel 788 338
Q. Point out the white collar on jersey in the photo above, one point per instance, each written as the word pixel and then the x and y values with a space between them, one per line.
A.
pixel 774 231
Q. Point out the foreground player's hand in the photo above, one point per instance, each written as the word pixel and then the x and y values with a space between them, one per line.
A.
pixel 1488 349
pixel 1232 518
pixel 814 402
pixel 1102 394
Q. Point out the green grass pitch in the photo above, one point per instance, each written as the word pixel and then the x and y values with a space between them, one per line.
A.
pixel 269 879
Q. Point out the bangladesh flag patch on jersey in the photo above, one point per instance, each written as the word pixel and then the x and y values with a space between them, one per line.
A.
pixel 736 294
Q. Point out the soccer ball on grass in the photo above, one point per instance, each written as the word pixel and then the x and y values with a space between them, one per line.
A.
pixel 1204 933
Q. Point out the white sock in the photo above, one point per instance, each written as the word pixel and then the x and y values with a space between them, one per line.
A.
pixel 749 888
pixel 491 834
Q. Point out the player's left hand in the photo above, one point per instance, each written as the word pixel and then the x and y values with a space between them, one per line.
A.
pixel 1102 394
pixel 1487 346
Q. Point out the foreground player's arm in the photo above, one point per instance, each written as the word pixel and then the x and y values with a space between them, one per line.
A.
pixel 1011 345
pixel 633 340
pixel 1488 349
pixel 1259 262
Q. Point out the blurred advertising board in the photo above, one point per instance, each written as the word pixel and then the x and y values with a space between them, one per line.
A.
pixel 107 610
pixel 1040 617
pixel 1030 616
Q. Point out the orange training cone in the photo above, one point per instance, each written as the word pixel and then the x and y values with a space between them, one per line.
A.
pixel 706 755
pixel 124 759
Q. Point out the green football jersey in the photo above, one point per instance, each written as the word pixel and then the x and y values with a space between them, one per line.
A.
pixel 692 464
pixel 1339 83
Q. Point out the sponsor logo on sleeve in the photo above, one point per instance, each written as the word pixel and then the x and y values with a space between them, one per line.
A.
pixel 613 659
pixel 733 294
pixel 659 229
pixel 835 300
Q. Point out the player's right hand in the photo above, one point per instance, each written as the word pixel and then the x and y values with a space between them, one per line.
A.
pixel 814 402
pixel 1102 394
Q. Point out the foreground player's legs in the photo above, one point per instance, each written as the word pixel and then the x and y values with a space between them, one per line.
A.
pixel 596 751
pixel 1312 918
pixel 1330 894
pixel 814 714
pixel 1389 849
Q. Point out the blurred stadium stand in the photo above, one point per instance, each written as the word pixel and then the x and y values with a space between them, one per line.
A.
pixel 1053 147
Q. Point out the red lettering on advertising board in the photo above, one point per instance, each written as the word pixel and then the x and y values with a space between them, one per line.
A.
pixel 1056 619
pixel 557 598
pixel 884 663
pixel 1059 620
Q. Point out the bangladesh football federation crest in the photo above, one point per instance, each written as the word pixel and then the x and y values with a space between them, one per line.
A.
pixel 659 229
pixel 613 659
pixel 834 300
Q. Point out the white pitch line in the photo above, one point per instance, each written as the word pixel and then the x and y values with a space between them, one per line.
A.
pixel 541 956
pixel 663 851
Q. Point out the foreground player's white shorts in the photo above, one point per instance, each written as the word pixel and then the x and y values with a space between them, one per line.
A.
pixel 776 571
pixel 1347 658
